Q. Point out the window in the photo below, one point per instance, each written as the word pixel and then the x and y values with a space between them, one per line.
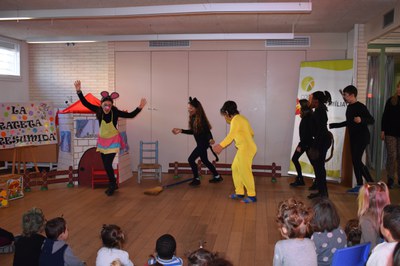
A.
pixel 9 58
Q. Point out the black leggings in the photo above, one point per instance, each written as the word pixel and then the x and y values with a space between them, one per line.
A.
pixel 295 160
pixel 107 162
pixel 357 149
pixel 200 151
pixel 319 168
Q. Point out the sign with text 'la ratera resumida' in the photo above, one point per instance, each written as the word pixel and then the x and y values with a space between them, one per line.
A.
pixel 27 124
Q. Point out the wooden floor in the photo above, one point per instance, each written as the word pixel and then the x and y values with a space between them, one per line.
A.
pixel 243 233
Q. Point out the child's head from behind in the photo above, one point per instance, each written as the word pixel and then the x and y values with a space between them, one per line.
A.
pixel 353 232
pixel 116 262
pixel 112 236
pixel 372 198
pixel 56 229
pixel 220 262
pixel 390 227
pixel 166 246
pixel 326 217
pixel 32 222
pixel 293 219
pixel 201 257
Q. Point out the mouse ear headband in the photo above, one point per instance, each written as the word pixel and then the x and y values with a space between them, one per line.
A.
pixel 109 97
pixel 194 102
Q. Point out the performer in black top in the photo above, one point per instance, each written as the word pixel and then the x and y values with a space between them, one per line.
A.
pixel 322 140
pixel 200 128
pixel 357 120
pixel 391 135
pixel 306 138
pixel 109 141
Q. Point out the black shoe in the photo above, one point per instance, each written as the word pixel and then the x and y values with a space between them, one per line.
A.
pixel 314 195
pixel 298 183
pixel 195 183
pixel 317 195
pixel 313 186
pixel 390 182
pixel 109 191
pixel 216 179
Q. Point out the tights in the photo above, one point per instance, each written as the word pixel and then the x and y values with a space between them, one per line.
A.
pixel 295 160
pixel 107 162
pixel 200 151
pixel 360 170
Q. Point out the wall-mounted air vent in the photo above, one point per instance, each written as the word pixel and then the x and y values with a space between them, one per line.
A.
pixel 298 41
pixel 178 43
pixel 388 18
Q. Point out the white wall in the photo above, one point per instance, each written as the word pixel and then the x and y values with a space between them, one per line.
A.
pixel 263 83
pixel 54 68
pixel 16 89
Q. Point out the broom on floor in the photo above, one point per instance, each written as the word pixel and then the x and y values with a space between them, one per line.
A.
pixel 157 190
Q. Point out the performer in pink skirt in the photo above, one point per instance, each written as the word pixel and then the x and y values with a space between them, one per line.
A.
pixel 109 141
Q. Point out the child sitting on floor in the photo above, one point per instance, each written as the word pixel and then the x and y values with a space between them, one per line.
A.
pixel 382 254
pixel 28 245
pixel 372 198
pixel 203 257
pixel 327 236
pixel 6 241
pixel 111 252
pixel 165 252
pixel 353 232
pixel 293 219
pixel 55 250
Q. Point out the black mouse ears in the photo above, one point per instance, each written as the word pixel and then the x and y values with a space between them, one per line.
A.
pixel 114 95
pixel 194 102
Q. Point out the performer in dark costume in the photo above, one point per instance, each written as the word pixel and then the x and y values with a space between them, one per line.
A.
pixel 306 138
pixel 390 133
pixel 109 141
pixel 200 128
pixel 322 141
pixel 357 120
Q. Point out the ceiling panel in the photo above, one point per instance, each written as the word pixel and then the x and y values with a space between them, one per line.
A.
pixel 326 16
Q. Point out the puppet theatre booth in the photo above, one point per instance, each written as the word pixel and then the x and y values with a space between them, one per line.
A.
pixel 78 129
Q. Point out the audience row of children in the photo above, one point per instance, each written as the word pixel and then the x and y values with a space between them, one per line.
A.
pixel 32 248
pixel 313 234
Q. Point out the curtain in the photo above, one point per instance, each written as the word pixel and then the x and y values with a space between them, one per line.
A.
pixel 373 98
pixel 375 105
pixel 389 87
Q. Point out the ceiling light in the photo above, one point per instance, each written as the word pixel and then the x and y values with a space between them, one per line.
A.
pixel 15 18
pixel 163 37
pixel 206 8
pixel 39 40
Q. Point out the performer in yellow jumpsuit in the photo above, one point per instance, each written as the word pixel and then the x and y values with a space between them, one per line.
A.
pixel 242 133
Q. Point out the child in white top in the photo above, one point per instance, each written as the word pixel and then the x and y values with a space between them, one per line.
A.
pixel 165 252
pixel 112 237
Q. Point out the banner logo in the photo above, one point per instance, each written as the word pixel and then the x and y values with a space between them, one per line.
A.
pixel 307 84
